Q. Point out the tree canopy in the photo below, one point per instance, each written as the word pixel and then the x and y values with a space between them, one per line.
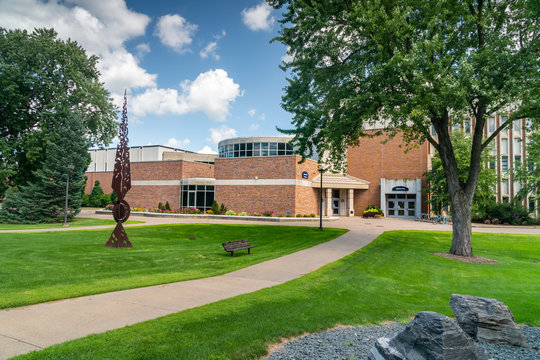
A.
pixel 406 66
pixel 42 80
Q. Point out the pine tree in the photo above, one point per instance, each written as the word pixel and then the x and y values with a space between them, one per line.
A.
pixel 44 199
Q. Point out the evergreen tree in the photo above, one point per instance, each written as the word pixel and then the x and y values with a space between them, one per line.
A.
pixel 44 199
pixel 95 195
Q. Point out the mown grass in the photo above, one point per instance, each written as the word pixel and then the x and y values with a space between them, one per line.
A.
pixel 393 278
pixel 38 267
pixel 78 221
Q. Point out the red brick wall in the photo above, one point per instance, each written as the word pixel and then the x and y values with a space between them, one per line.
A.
pixel 307 200
pixel 196 170
pixel 272 167
pixel 151 196
pixel 104 178
pixel 257 198
pixel 372 160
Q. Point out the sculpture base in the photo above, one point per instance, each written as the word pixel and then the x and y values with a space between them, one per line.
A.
pixel 119 238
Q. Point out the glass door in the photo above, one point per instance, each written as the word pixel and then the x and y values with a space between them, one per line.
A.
pixel 335 202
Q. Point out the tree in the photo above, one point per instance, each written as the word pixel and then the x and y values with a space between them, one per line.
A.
pixel 41 79
pixel 409 65
pixel 43 200
pixel 437 187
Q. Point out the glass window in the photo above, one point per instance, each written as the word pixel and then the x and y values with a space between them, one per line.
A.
pixel 289 149
pixel 264 149
pixel 191 187
pixel 273 149
pixel 281 148
pixel 391 196
pixel 256 149
pixel 503 120
pixel 491 125
pixel 200 204
pixel 517 145
pixel 517 161
pixel 456 126
pixel 517 187
pixel 433 131
pixel 504 163
pixel 209 199
pixel 401 196
pixel 505 199
pixel 517 125
pixel 492 165
pixel 505 186
pixel 531 204
pixel 467 126
pixel 411 196
pixel 504 146
pixel 200 187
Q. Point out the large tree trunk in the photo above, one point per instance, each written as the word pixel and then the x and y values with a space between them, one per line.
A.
pixel 461 224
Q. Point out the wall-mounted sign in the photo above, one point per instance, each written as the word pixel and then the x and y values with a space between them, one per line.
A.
pixel 305 175
pixel 400 188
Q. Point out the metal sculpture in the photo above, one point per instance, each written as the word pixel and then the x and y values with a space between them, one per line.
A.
pixel 121 184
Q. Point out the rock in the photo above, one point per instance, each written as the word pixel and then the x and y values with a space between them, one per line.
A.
pixel 486 319
pixel 430 336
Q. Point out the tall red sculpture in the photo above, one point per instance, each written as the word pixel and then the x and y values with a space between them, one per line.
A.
pixel 121 184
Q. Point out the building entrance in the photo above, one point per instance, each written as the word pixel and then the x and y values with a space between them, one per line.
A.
pixel 335 202
pixel 401 205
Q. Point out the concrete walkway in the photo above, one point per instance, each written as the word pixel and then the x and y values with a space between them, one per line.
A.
pixel 34 327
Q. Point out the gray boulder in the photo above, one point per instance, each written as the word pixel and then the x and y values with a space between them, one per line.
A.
pixel 486 319
pixel 430 336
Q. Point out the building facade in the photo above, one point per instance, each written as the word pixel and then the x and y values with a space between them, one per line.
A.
pixel 258 174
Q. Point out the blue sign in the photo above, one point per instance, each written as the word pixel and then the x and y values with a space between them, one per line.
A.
pixel 400 188
pixel 305 175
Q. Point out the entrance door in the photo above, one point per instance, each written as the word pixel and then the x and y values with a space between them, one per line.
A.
pixel 335 202
pixel 191 199
pixel 401 205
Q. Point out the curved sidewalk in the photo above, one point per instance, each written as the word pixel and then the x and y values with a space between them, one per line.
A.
pixel 34 327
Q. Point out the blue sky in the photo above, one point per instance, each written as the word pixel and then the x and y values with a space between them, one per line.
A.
pixel 196 72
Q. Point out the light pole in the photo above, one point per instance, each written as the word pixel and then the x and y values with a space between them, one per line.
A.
pixel 321 170
pixel 69 167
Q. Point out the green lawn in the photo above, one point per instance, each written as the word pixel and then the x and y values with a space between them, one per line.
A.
pixel 393 278
pixel 76 222
pixel 38 267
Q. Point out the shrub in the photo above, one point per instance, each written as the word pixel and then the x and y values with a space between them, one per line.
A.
pixel 243 213
pixel 230 212
pixel 209 212
pixel 222 209
pixel 167 206
pixel 85 200
pixel 371 213
pixel 298 215
pixel 95 196
pixel 305 215
pixel 215 207
pixel 104 200
pixel 114 197
pixel 160 206
pixel 288 215
pixel 109 207
pixel 268 213
pixel 509 213
pixel 190 210
pixel 312 215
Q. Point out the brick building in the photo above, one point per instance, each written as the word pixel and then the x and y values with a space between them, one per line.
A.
pixel 257 174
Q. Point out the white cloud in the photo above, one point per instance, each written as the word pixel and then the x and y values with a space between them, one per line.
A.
pixel 287 58
pixel 253 127
pixel 262 117
pixel 258 17
pixel 223 132
pixel 207 150
pixel 252 112
pixel 210 49
pixel 211 92
pixel 172 142
pixel 175 32
pixel 142 50
pixel 100 27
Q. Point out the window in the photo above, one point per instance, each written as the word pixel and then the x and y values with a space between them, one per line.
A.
pixel 456 126
pixel 433 131
pixel 491 165
pixel 517 187
pixel 256 149
pixel 198 196
pixel 505 199
pixel 264 149
pixel 517 125
pixel 531 204
pixel 517 161
pixel 289 149
pixel 504 163
pixel 491 125
pixel 503 120
pixel 517 145
pixel 505 186
pixel 504 146
pixel 467 126
pixel 249 149
pixel 273 149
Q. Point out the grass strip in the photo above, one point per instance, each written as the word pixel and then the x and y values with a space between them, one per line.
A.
pixel 78 221
pixel 393 278
pixel 44 266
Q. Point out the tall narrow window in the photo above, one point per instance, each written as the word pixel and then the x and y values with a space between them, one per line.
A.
pixel 504 146
pixel 517 125
pixel 504 163
pixel 467 126
pixel 517 146
pixel 503 120
pixel 491 125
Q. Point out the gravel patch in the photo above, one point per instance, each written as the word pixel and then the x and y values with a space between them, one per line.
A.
pixel 354 343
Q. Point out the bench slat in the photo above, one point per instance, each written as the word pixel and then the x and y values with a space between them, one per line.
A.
pixel 232 246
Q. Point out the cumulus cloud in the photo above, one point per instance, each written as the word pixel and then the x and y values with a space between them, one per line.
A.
pixel 100 27
pixel 175 32
pixel 207 150
pixel 254 127
pixel 221 133
pixel 172 142
pixel 252 112
pixel 211 92
pixel 258 17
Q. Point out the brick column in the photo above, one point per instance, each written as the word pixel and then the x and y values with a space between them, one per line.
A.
pixel 328 202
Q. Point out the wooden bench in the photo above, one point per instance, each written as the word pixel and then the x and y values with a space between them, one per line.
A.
pixel 232 246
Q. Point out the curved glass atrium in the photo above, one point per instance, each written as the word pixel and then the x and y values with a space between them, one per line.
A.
pixel 253 149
